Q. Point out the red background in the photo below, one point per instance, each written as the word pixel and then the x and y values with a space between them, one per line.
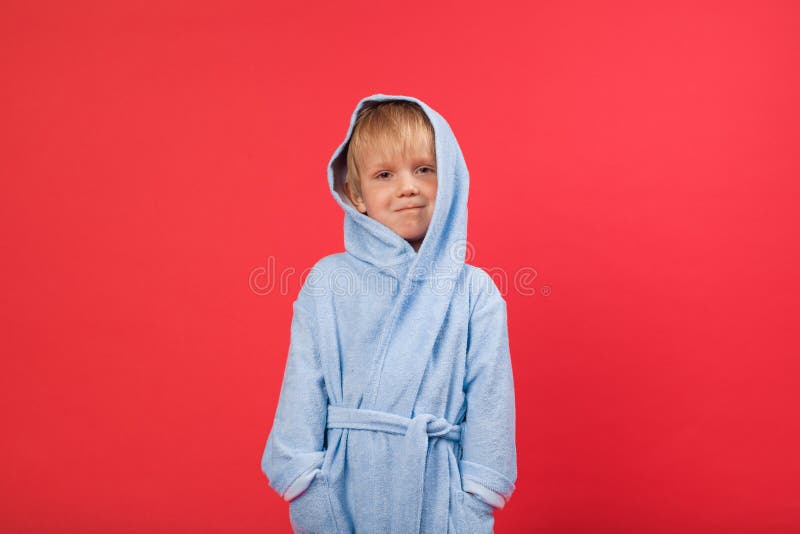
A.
pixel 641 157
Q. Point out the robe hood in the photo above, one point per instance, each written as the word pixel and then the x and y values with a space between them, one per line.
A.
pixel 443 250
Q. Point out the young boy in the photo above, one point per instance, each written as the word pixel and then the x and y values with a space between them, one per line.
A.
pixel 396 412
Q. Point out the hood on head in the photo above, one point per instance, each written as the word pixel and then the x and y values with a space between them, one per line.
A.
pixel 443 249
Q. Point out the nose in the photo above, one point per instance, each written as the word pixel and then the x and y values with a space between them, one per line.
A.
pixel 407 185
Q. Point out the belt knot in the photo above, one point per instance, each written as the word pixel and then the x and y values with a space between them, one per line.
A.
pixel 434 426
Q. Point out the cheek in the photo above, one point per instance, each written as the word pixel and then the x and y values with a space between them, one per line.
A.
pixel 384 197
pixel 432 191
pixel 375 199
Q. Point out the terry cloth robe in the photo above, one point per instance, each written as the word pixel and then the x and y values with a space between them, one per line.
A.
pixel 396 413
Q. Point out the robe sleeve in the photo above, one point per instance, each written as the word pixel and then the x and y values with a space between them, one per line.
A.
pixel 489 459
pixel 295 446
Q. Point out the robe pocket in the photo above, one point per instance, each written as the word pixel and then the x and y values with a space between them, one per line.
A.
pixel 477 516
pixel 311 511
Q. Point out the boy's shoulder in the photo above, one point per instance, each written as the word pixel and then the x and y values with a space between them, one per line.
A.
pixel 330 262
pixel 318 278
pixel 481 286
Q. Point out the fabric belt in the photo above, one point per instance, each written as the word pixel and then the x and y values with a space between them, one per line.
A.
pixel 409 477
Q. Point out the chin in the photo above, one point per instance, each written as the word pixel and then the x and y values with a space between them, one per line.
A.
pixel 411 234
pixel 413 238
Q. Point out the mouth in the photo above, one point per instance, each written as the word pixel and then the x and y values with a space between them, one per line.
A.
pixel 410 208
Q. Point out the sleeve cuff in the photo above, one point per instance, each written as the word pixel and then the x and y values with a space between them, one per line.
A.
pixel 301 483
pixel 483 493
pixel 485 477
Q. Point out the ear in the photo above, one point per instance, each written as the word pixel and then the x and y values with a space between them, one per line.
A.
pixel 357 201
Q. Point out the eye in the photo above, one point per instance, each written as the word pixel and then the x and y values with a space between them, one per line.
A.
pixel 382 174
pixel 426 170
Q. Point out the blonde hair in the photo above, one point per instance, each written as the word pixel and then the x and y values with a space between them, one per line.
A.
pixel 389 126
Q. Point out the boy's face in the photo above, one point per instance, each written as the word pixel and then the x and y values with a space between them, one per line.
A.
pixel 399 191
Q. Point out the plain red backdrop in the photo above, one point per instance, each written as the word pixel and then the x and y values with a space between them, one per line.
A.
pixel 641 157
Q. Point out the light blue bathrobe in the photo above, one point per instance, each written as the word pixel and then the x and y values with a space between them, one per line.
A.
pixel 396 412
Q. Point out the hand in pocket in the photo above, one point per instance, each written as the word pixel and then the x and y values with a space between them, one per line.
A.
pixel 310 512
